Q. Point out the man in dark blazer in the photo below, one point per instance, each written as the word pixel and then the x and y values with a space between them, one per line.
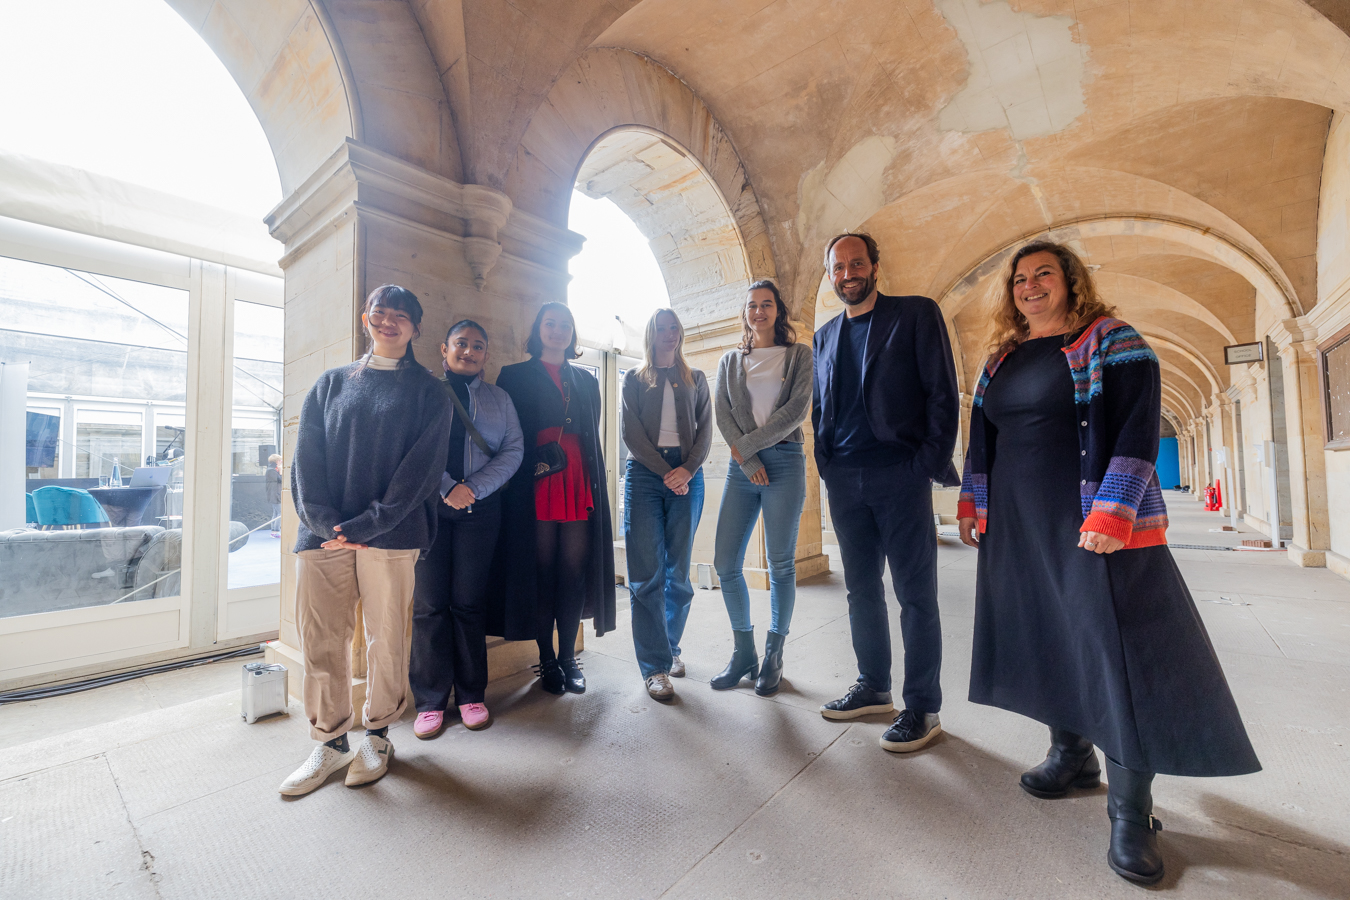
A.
pixel 885 414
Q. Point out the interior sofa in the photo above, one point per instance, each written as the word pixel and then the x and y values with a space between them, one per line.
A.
pixel 43 571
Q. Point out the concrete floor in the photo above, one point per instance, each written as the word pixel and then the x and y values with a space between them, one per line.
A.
pixel 110 794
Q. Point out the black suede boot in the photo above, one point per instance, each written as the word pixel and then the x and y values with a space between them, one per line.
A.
pixel 744 661
pixel 1070 763
pixel 771 673
pixel 1134 852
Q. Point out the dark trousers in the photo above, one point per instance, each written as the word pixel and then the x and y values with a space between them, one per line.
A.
pixel 449 644
pixel 885 515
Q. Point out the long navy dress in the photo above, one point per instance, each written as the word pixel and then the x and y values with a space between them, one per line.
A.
pixel 1108 646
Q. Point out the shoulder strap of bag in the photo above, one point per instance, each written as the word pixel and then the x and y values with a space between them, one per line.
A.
pixel 468 423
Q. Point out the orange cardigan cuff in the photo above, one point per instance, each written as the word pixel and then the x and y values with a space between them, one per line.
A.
pixel 1111 526
pixel 966 511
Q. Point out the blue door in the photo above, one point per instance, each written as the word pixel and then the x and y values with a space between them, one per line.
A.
pixel 1169 464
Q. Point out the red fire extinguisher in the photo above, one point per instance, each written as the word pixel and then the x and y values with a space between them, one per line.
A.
pixel 1213 499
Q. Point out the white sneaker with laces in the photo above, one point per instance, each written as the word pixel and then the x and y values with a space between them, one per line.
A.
pixel 372 760
pixel 659 686
pixel 676 667
pixel 322 762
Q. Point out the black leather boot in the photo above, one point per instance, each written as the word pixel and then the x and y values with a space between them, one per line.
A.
pixel 1134 852
pixel 744 661
pixel 771 673
pixel 1070 763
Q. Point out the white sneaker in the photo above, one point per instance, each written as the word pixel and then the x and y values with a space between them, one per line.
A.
pixel 372 760
pixel 676 667
pixel 659 686
pixel 322 762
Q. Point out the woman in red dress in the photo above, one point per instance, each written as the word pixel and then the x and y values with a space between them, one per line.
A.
pixel 554 564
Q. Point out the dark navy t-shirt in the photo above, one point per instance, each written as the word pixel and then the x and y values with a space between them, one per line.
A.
pixel 855 445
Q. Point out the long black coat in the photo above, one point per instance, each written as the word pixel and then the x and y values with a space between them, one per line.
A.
pixel 513 589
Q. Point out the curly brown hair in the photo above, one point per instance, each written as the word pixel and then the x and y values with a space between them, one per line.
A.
pixel 1010 328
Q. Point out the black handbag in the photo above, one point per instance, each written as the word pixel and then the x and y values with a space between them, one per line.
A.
pixel 551 458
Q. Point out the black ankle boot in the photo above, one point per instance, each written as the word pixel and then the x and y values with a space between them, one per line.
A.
pixel 771 673
pixel 744 661
pixel 1134 852
pixel 573 681
pixel 1071 763
pixel 551 677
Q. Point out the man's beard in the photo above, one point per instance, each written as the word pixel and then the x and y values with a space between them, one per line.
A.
pixel 868 287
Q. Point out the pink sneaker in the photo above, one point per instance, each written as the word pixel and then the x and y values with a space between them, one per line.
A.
pixel 429 725
pixel 474 716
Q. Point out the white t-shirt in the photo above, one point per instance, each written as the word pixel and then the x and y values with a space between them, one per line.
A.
pixel 764 380
pixel 670 429
pixel 382 362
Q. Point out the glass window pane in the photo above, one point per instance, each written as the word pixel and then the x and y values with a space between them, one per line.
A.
pixel 255 433
pixel 102 353
pixel 106 439
pixel 42 450
pixel 1336 364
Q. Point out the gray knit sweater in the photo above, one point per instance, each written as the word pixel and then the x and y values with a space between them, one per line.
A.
pixel 736 417
pixel 369 457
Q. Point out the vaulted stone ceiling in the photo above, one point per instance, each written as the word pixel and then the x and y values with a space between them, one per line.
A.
pixel 1177 143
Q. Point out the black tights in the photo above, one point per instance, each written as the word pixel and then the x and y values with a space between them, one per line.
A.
pixel 562 549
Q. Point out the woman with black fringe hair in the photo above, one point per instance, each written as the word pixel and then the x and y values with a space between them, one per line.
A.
pixel 367 464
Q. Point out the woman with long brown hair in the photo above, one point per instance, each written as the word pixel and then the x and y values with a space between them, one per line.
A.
pixel 763 396
pixel 554 563
pixel 1082 620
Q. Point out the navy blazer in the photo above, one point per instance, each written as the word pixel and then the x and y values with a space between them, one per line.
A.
pixel 909 385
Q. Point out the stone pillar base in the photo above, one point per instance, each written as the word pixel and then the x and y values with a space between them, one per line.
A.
pixel 505 658
pixel 1308 558
pixel 1338 564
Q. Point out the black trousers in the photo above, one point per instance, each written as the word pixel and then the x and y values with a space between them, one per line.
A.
pixel 885 515
pixel 449 644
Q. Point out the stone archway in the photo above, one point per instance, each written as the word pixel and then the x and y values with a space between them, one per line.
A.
pixel 618 126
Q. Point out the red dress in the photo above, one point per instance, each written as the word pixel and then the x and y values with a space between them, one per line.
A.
pixel 563 496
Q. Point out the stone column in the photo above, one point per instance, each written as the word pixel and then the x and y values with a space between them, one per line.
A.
pixel 366 218
pixel 1307 462
pixel 1225 471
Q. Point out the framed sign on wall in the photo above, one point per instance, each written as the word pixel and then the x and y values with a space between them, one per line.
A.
pixel 1238 354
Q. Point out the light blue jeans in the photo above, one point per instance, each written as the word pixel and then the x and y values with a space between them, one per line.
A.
pixel 781 500
pixel 658 532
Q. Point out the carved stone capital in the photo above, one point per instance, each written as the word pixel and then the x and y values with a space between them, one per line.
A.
pixel 358 180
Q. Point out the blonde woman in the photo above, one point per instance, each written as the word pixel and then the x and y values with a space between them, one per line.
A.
pixel 667 426
pixel 1082 620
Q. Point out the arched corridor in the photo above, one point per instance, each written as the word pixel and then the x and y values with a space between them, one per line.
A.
pixel 1195 154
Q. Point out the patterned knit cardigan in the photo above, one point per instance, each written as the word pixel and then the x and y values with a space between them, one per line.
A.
pixel 1118 393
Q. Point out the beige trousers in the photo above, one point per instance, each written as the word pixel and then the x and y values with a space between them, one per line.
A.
pixel 329 584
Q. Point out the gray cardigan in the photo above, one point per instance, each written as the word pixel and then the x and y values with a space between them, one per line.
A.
pixel 736 419
pixel 640 420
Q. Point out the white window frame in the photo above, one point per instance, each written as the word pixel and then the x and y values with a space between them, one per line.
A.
pixel 76 642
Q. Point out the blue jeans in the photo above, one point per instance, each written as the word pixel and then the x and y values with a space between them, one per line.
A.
pixel 781 499
pixel 658 533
